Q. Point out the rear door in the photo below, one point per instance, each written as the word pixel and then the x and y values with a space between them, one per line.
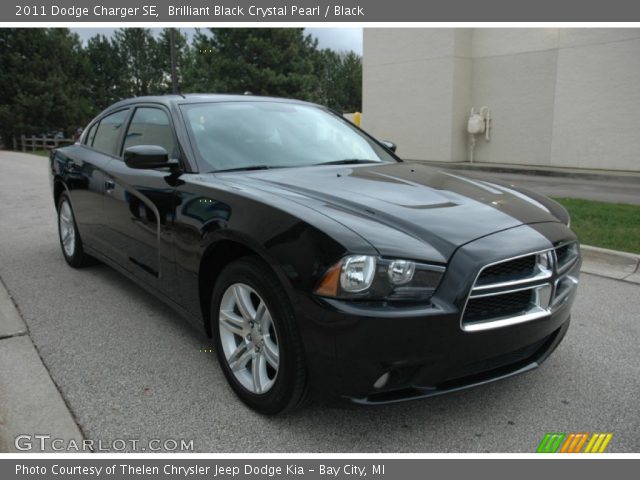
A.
pixel 139 204
pixel 85 175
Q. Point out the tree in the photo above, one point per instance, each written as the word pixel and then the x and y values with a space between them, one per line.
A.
pixel 42 81
pixel 340 80
pixel 108 69
pixel 351 82
pixel 140 53
pixel 50 81
pixel 181 47
pixel 277 62
pixel 328 70
pixel 198 67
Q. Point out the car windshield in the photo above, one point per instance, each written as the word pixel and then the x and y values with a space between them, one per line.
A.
pixel 259 135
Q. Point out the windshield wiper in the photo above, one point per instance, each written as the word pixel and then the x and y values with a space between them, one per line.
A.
pixel 241 169
pixel 348 161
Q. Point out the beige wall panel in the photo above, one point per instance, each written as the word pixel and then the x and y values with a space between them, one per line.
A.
pixel 597 113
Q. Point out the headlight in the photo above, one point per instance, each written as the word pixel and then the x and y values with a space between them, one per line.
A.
pixel 371 278
pixel 357 273
pixel 401 272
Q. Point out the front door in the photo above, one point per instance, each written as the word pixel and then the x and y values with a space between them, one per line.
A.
pixel 139 204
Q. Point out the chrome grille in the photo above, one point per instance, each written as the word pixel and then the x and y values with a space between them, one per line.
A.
pixel 511 303
pixel 521 289
pixel 522 267
pixel 566 255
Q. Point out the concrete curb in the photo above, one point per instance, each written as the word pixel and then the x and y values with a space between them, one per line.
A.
pixel 30 402
pixel 611 263
pixel 603 175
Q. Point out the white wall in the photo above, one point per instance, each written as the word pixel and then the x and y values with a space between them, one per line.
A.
pixel 410 80
pixel 558 97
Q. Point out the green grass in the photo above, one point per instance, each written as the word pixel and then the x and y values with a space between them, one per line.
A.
pixel 607 225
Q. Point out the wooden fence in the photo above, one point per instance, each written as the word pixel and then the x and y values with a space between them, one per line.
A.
pixel 30 144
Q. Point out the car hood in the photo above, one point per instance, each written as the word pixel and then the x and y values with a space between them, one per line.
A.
pixel 439 207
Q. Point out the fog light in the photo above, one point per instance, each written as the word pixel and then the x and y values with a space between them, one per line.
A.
pixel 382 381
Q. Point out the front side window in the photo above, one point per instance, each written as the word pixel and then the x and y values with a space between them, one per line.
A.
pixel 230 135
pixel 91 134
pixel 150 126
pixel 108 132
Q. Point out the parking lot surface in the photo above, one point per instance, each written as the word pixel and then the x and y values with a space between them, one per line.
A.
pixel 129 367
pixel 620 190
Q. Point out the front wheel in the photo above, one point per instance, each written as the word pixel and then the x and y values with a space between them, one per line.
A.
pixel 257 341
pixel 69 237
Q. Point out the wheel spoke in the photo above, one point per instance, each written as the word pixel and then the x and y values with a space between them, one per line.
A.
pixel 232 322
pixel 239 357
pixel 265 322
pixel 243 301
pixel 65 212
pixel 257 367
pixel 271 352
pixel 260 313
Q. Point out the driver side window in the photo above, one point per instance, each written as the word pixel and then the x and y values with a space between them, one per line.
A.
pixel 151 126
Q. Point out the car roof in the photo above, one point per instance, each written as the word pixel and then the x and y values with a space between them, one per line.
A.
pixel 188 98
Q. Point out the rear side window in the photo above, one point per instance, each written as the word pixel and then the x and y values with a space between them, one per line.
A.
pixel 108 132
pixel 150 126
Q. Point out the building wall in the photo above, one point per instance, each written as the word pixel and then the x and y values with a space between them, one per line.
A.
pixel 558 97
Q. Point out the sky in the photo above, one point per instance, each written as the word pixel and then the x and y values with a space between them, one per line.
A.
pixel 339 39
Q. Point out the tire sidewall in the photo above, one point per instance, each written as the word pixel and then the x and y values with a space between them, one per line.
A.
pixel 74 259
pixel 279 396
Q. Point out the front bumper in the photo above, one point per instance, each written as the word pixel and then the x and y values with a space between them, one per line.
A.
pixel 425 351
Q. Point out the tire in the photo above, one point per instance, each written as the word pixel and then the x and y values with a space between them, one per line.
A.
pixel 256 338
pixel 70 241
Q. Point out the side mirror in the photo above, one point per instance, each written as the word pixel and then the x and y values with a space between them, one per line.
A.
pixel 148 157
pixel 390 145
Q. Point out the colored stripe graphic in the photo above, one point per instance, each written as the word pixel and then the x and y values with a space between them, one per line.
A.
pixel 580 443
pixel 598 443
pixel 606 442
pixel 556 442
pixel 569 443
pixel 550 443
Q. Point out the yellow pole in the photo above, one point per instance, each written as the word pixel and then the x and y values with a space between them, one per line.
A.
pixel 357 117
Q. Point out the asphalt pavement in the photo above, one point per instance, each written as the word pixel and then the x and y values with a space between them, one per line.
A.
pixel 600 185
pixel 610 189
pixel 129 367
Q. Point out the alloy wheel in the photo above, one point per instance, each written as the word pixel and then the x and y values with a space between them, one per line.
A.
pixel 249 338
pixel 67 228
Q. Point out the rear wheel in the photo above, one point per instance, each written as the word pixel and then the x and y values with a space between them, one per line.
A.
pixel 70 240
pixel 257 341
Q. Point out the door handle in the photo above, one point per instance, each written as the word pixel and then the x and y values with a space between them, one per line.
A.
pixel 109 185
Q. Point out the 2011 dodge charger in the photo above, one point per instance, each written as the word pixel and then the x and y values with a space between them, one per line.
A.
pixel 320 263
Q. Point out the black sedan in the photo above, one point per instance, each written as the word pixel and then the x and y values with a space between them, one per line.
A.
pixel 320 263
